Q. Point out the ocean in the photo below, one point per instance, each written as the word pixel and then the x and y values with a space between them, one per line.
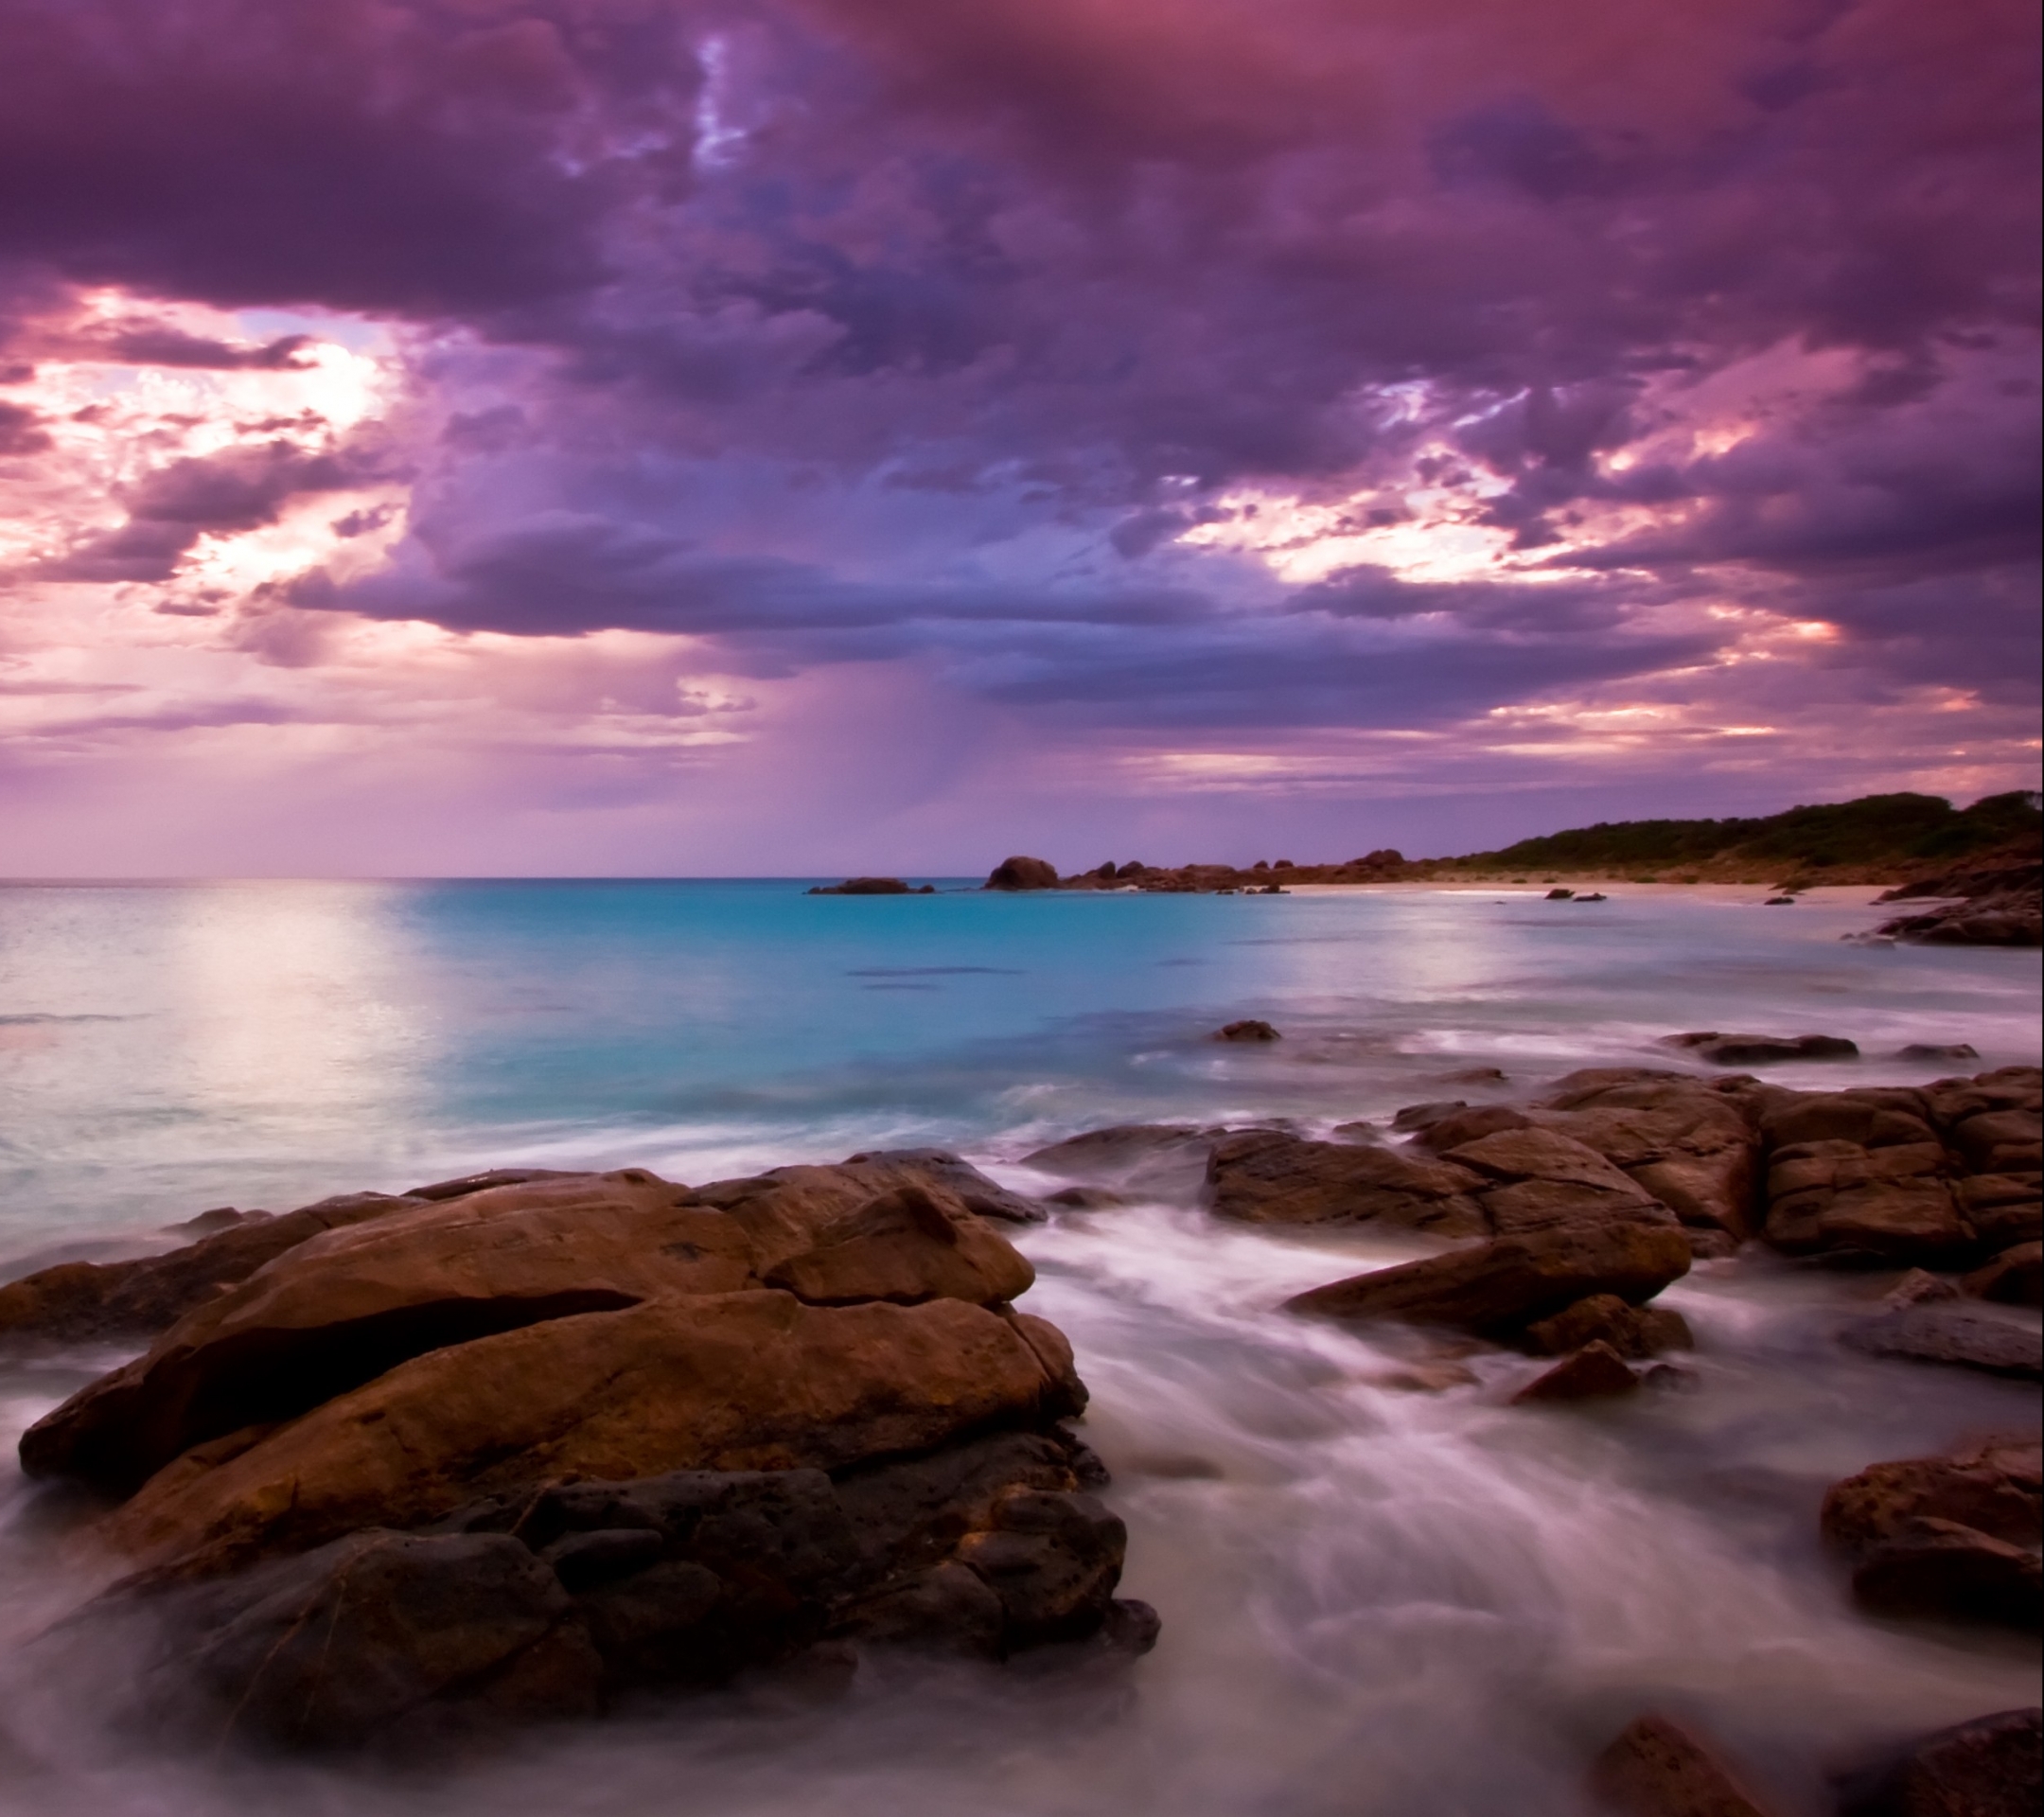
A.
pixel 1373 1600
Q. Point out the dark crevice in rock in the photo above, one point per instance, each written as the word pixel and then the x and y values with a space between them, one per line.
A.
pixel 263 1378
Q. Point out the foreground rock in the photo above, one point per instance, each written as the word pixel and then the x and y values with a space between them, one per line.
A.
pixel 1990 1767
pixel 1657 1767
pixel 1957 1538
pixel 549 1602
pixel 516 1446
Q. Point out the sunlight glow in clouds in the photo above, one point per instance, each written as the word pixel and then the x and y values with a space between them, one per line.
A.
pixel 636 434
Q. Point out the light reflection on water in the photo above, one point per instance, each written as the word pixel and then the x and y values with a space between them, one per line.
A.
pixel 1400 1603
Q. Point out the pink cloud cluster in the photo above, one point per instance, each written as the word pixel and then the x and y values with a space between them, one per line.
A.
pixel 661 435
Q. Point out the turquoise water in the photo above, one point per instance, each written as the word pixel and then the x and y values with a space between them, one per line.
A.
pixel 1408 1604
pixel 165 1049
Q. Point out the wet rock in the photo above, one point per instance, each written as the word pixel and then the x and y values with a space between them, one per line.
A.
pixel 1440 1127
pixel 1955 1538
pixel 939 1168
pixel 741 1380
pixel 1969 1336
pixel 380 1635
pixel 1023 873
pixel 1560 896
pixel 1657 1767
pixel 535 1601
pixel 77 1301
pixel 1595 1371
pixel 1085 1198
pixel 1264 1177
pixel 2009 916
pixel 1918 1288
pixel 1996 1485
pixel 1053 1559
pixel 1936 1050
pixel 1717 1049
pixel 1249 1029
pixel 1123 1149
pixel 1506 1284
pixel 1637 1332
pixel 1414 1118
pixel 468 1182
pixel 2016 1276
pixel 1949 1571
pixel 1989 1766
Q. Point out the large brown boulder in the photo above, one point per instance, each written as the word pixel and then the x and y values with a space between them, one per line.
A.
pixel 743 1381
pixel 1504 1285
pixel 79 1301
pixel 1265 1176
pixel 1954 1537
pixel 342 1309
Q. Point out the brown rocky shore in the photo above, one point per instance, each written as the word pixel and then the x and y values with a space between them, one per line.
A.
pixel 397 1470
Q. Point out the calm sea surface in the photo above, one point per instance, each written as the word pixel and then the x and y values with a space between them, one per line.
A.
pixel 1373 1601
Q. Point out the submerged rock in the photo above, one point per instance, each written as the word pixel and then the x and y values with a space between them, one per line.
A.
pixel 1595 1372
pixel 1657 1767
pixel 1249 1029
pixel 1717 1049
pixel 1969 1336
pixel 1990 1767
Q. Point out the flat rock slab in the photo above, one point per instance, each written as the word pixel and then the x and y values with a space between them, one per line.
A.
pixel 1969 1336
pixel 1504 1285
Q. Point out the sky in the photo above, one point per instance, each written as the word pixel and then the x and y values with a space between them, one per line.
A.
pixel 660 437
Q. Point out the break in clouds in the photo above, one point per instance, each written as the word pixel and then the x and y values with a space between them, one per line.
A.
pixel 640 414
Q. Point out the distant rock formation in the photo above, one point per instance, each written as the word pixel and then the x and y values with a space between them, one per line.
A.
pixel 871 887
pixel 1023 873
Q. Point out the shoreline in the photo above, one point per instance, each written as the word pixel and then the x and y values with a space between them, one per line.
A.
pixel 1840 895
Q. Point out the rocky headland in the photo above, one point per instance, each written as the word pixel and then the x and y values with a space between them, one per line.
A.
pixel 1979 871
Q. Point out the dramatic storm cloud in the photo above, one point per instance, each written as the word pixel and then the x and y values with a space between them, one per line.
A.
pixel 643 435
